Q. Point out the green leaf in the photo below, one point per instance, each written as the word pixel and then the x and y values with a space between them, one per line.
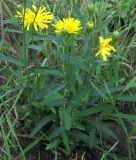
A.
pixel 125 116
pixel 9 21
pixel 6 144
pixel 78 126
pixel 102 94
pixel 79 98
pixel 79 79
pixel 103 129
pixel 12 60
pixel 79 136
pixel 125 98
pixel 131 84
pixel 92 140
pixel 65 119
pixel 124 7
pixel 111 89
pixel 13 31
pixel 80 62
pixel 41 124
pixel 54 99
pixel 106 154
pixel 51 38
pixel 52 72
pixel 66 141
pixel 95 109
pixel 12 131
pixel 55 133
pixel 12 90
pixel 49 90
pixel 35 47
pixel 53 144
pixel 30 146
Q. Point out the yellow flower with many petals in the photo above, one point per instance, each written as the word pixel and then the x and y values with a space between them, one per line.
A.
pixel 105 48
pixel 69 25
pixel 39 18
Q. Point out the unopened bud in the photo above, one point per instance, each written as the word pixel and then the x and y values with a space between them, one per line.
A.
pixel 90 24
pixel 19 6
pixel 90 8
pixel 116 35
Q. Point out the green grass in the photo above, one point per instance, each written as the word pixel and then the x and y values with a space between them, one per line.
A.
pixel 56 96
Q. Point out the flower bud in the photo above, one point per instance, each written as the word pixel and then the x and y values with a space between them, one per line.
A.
pixel 19 6
pixel 90 24
pixel 116 35
pixel 90 8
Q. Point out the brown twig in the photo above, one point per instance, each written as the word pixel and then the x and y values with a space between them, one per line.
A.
pixel 127 65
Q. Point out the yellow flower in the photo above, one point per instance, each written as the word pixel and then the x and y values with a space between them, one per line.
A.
pixel 69 25
pixel 39 18
pixel 105 48
pixel 90 24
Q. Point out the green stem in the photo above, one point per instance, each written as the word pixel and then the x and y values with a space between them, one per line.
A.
pixel 24 51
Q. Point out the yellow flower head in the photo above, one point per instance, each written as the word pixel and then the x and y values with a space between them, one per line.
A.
pixel 69 25
pixel 39 18
pixel 90 24
pixel 105 48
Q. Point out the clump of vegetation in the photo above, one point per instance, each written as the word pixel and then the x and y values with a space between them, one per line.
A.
pixel 67 79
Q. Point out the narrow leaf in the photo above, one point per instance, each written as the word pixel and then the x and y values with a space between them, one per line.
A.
pixel 41 124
